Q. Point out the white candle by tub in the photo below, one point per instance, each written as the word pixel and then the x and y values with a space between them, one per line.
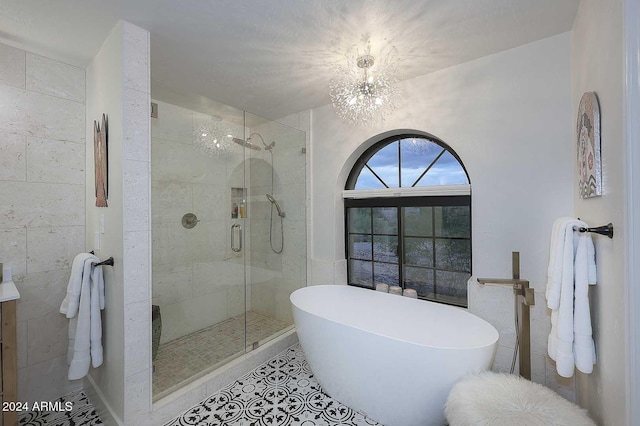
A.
pixel 382 287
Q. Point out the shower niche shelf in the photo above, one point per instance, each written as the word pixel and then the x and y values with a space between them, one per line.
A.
pixel 238 203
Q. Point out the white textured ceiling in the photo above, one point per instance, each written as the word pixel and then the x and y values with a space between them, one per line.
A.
pixel 273 57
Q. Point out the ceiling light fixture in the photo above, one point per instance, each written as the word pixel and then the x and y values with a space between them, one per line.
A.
pixel 364 90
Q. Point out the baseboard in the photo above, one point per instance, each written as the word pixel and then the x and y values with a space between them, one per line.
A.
pixel 104 410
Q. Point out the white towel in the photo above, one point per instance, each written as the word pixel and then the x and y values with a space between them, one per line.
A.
pixel 82 305
pixel 97 304
pixel 584 348
pixel 559 259
pixel 571 270
pixel 72 300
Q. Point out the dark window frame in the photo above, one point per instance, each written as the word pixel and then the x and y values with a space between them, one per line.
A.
pixel 372 150
pixel 400 203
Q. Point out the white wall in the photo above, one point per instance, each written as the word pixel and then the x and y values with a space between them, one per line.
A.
pixel 508 116
pixel 597 65
pixel 42 212
pixel 118 85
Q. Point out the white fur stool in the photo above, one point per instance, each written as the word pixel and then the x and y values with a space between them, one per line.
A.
pixel 493 399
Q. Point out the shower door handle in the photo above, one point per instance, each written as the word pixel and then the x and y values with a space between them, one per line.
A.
pixel 233 237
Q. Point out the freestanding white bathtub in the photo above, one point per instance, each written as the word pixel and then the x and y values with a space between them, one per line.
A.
pixel 390 357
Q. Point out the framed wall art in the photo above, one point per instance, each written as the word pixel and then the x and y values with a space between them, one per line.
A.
pixel 588 146
pixel 101 159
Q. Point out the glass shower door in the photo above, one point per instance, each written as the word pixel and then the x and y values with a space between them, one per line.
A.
pixel 275 173
pixel 198 229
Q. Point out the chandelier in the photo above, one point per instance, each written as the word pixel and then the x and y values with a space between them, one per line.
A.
pixel 364 89
pixel 212 136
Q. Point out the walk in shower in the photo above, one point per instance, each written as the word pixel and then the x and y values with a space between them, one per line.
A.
pixel 229 234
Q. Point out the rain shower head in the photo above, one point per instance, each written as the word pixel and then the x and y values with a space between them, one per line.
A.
pixel 246 144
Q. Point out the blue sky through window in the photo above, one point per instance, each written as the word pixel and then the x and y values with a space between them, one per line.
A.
pixel 416 155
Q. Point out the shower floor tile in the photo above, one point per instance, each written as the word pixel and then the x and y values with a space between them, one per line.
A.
pixel 282 392
pixel 83 413
pixel 188 357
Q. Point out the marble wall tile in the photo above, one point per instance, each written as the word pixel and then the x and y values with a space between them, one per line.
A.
pixel 51 248
pixel 208 241
pixel 135 314
pixel 54 78
pixel 136 193
pixel 495 305
pixel 137 338
pixel 41 293
pixel 54 118
pixel 195 314
pixel 209 276
pixel 46 381
pixel 173 286
pixel 136 258
pixel 136 111
pixel 47 337
pixel 170 246
pixel 137 396
pixel 540 324
pixel 13 250
pixel 211 201
pixel 13 157
pixel 170 201
pixel 174 123
pixel 135 58
pixel 47 205
pixel 39 115
pixel 55 161
pixel 12 66
pixel 170 160
pixel 13 117
pixel 235 300
pixel 322 272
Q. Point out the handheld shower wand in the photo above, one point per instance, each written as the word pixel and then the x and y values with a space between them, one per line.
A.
pixel 275 202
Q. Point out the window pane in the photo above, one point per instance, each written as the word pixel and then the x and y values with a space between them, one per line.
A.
pixel 385 248
pixel 361 273
pixel 360 220
pixel 453 255
pixel 419 279
pixel 386 273
pixel 452 221
pixel 446 171
pixel 418 251
pixel 452 286
pixel 366 180
pixel 360 246
pixel 417 221
pixel 385 220
pixel 385 164
pixel 417 154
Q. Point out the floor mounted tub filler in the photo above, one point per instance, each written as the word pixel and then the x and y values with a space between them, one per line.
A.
pixel 390 357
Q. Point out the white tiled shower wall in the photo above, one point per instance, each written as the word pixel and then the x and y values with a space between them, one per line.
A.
pixel 42 210
pixel 197 280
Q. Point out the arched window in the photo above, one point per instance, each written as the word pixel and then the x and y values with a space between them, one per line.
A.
pixel 408 218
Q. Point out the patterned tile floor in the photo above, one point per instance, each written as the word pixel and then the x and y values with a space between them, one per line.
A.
pixel 82 413
pixel 182 360
pixel 280 392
